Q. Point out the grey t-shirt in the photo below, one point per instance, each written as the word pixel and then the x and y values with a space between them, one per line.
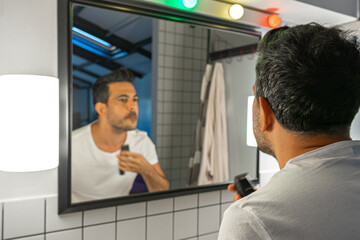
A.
pixel 315 196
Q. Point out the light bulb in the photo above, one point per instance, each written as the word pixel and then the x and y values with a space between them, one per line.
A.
pixel 274 20
pixel 189 3
pixel 236 11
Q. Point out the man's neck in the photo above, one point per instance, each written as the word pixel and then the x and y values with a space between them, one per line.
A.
pixel 105 138
pixel 291 145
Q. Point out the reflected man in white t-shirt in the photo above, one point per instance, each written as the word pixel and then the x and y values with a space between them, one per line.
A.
pixel 96 157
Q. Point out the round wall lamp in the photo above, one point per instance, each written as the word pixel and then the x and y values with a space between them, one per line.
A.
pixel 189 3
pixel 236 11
pixel 274 20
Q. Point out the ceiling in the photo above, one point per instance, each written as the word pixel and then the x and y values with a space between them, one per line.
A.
pixel 128 48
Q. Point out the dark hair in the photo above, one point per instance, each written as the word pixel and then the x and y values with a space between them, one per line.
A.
pixel 101 89
pixel 310 76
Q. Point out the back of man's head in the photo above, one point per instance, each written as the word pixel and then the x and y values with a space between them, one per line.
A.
pixel 101 89
pixel 310 76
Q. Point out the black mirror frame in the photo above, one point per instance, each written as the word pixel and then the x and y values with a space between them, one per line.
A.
pixel 65 8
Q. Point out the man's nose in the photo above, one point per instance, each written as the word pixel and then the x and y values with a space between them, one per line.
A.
pixel 132 105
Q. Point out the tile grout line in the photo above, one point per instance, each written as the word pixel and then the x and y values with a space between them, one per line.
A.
pixel 146 219
pixel 45 207
pixel 173 219
pixel 82 225
pixel 116 218
pixel 220 209
pixel 198 214
pixel 2 218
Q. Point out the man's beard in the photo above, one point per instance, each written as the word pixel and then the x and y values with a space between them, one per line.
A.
pixel 120 126
pixel 263 143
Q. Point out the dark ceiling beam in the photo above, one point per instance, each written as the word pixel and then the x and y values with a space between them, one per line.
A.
pixel 113 39
pixel 102 61
pixel 142 43
pixel 86 71
pixel 82 81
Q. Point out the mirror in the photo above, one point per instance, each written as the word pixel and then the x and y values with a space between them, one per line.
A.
pixel 168 59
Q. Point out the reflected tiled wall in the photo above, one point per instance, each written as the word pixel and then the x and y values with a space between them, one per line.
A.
pixel 182 52
pixel 196 216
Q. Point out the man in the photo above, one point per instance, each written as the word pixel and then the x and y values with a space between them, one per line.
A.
pixel 95 147
pixel 307 93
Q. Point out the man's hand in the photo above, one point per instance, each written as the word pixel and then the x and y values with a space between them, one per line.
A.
pixel 231 188
pixel 152 174
pixel 133 162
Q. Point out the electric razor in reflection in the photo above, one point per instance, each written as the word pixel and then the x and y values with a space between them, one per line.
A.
pixel 243 185
pixel 124 148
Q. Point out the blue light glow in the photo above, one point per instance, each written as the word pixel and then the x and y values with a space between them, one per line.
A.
pixel 89 48
pixel 88 35
pixel 120 55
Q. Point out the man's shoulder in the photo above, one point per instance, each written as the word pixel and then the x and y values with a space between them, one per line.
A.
pixel 239 223
pixel 80 132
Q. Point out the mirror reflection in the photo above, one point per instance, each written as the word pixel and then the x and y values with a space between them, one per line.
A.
pixel 175 94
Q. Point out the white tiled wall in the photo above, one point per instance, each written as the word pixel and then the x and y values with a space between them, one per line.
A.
pixel 182 52
pixel 195 216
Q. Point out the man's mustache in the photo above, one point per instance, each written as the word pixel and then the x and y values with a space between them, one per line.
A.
pixel 131 114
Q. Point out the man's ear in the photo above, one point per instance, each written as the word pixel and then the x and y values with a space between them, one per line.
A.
pixel 100 108
pixel 267 117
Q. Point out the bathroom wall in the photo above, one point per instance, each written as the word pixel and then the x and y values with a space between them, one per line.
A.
pixel 182 52
pixel 193 217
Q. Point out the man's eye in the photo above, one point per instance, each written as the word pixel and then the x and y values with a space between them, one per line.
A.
pixel 136 99
pixel 124 100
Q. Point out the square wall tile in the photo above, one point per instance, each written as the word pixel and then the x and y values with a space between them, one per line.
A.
pixel 75 234
pixel 131 211
pixel 185 224
pixel 131 229
pixel 209 219
pixel 55 222
pixel 39 237
pixel 160 206
pixel 186 202
pixel 22 218
pixel 160 227
pixel 212 236
pixel 101 215
pixel 209 198
pixel 103 232
pixel 227 196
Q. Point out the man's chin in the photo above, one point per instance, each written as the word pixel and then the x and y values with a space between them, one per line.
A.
pixel 124 128
pixel 267 150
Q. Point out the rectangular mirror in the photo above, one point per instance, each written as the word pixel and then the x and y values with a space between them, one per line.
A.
pixel 168 52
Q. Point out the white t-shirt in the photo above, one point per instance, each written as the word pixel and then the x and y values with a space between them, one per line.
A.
pixel 95 173
pixel 315 196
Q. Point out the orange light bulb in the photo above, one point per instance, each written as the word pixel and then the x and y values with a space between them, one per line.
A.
pixel 274 20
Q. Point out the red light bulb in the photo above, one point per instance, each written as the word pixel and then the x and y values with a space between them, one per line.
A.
pixel 274 20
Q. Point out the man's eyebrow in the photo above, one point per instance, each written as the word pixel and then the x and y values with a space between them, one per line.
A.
pixel 123 95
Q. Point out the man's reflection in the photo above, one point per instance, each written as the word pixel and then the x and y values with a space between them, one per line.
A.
pixel 95 147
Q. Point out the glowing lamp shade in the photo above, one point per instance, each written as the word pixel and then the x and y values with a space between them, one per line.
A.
pixel 29 123
pixel 236 11
pixel 250 138
pixel 274 20
pixel 189 3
